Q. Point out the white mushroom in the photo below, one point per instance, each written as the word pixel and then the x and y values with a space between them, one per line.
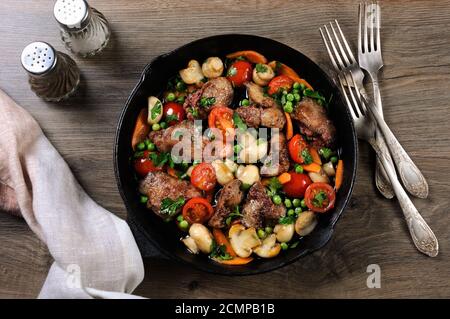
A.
pixel 232 166
pixel 269 248
pixel 155 110
pixel 252 149
pixel 190 244
pixel 193 73
pixel 212 67
pixel 328 168
pixel 320 177
pixel 262 74
pixel 284 233
pixel 243 240
pixel 306 222
pixel 202 237
pixel 248 174
pixel 189 170
pixel 223 174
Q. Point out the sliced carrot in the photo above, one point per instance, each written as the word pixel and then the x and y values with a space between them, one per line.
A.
pixel 313 167
pixel 339 174
pixel 141 129
pixel 286 70
pixel 221 239
pixel 251 56
pixel 235 261
pixel 284 178
pixel 289 127
pixel 315 156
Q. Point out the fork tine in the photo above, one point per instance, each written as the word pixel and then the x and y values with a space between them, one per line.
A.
pixel 361 97
pixel 344 92
pixel 333 61
pixel 378 24
pixel 335 51
pixel 371 23
pixel 366 49
pixel 339 42
pixel 351 87
pixel 349 51
pixel 359 29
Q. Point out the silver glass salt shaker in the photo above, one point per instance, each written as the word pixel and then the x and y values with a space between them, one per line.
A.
pixel 53 75
pixel 84 30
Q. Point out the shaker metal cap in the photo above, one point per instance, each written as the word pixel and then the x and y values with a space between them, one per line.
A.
pixel 38 57
pixel 71 14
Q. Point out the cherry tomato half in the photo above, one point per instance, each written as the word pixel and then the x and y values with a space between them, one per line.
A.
pixel 296 145
pixel 197 210
pixel 173 113
pixel 240 72
pixel 221 117
pixel 203 177
pixel 297 186
pixel 144 165
pixel 278 83
pixel 320 197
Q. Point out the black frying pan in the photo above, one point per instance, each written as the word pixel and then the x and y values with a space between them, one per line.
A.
pixel 165 236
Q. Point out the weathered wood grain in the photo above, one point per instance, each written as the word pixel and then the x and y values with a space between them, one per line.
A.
pixel 415 91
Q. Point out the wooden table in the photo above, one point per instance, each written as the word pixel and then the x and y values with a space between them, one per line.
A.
pixel 415 90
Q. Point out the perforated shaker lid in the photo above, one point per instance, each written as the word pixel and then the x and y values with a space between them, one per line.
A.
pixel 71 14
pixel 38 57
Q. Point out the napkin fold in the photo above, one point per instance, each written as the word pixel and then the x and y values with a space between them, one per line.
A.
pixel 95 254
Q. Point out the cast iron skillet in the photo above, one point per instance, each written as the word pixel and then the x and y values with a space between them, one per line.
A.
pixel 165 236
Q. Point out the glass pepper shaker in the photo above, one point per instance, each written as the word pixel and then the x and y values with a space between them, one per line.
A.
pixel 53 75
pixel 84 30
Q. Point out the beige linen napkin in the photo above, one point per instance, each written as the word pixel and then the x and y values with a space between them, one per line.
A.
pixel 95 253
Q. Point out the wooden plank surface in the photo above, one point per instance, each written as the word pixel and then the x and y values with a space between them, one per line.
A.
pixel 415 91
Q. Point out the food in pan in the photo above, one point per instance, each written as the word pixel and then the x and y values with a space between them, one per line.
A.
pixel 240 154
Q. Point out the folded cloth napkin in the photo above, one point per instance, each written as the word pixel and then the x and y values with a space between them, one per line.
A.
pixel 95 253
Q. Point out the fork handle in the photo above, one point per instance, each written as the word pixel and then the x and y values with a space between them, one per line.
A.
pixel 421 234
pixel 410 174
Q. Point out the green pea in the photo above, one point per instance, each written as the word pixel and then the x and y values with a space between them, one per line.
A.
pixel 276 199
pixel 291 212
pixel 298 169
pixel 268 230
pixel 156 127
pixel 245 102
pixel 163 125
pixel 287 203
pixel 284 246
pixel 294 91
pixel 261 233
pixel 170 97
pixel 141 146
pixel 180 99
pixel 285 92
pixel 334 159
pixel 151 146
pixel 302 86
pixel 296 85
pixel 296 202
pixel 143 199
pixel 298 210
pixel 303 203
pixel 290 97
pixel 184 225
pixel 288 108
pixel 297 97
pixel 180 218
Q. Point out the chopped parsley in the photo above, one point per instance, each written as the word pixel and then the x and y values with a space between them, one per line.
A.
pixel 219 252
pixel 307 158
pixel 286 220
pixel 238 122
pixel 274 186
pixel 171 117
pixel 161 159
pixel 156 110
pixel 319 199
pixel 235 214
pixel 261 68
pixel 193 111
pixel 325 152
pixel 207 101
pixel 317 96
pixel 232 71
pixel 295 244
pixel 170 207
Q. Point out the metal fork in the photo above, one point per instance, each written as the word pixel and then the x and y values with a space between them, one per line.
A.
pixel 365 125
pixel 370 59
pixel 348 62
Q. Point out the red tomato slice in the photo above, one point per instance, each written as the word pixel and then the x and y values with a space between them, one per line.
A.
pixel 144 165
pixel 278 83
pixel 296 145
pixel 297 186
pixel 203 177
pixel 197 210
pixel 221 117
pixel 173 112
pixel 320 197
pixel 240 72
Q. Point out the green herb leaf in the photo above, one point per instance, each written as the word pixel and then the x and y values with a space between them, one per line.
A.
pixel 325 152
pixel 232 71
pixel 170 207
pixel 316 95
pixel 274 186
pixel 286 220
pixel 207 101
pixel 156 110
pixel 220 252
pixel 161 159
pixel 238 122
pixel 295 244
pixel 261 68
pixel 319 198
pixel 235 214
pixel 307 158
pixel 171 117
